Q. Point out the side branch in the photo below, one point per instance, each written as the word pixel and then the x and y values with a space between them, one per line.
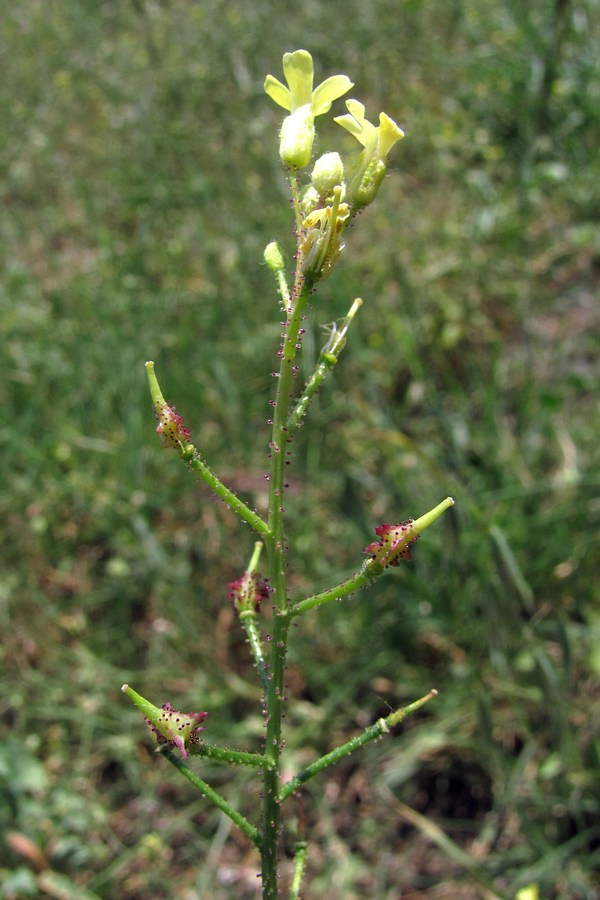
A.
pixel 191 455
pixel 176 436
pixel 327 360
pixel 214 797
pixel 233 757
pixel 382 726
pixel 369 571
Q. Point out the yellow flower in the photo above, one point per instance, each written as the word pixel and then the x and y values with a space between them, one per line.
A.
pixel 303 103
pixel 377 142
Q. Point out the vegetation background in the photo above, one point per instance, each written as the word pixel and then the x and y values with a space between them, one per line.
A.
pixel 140 183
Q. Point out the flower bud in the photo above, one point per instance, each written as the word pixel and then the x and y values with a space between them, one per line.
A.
pixel 274 257
pixel 328 172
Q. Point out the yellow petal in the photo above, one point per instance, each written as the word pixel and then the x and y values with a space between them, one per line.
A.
pixel 328 91
pixel 389 134
pixel 278 92
pixel 298 70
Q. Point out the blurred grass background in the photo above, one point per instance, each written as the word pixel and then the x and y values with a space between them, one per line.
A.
pixel 140 182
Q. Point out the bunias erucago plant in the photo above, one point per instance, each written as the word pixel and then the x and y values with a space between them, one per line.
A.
pixel 327 195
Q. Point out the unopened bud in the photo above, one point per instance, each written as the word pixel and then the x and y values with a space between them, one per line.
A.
pixel 274 257
pixel 328 172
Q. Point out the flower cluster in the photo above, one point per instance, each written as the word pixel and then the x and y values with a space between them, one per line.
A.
pixel 320 242
pixel 327 203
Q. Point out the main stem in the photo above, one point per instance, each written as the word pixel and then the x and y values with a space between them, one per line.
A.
pixel 275 544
